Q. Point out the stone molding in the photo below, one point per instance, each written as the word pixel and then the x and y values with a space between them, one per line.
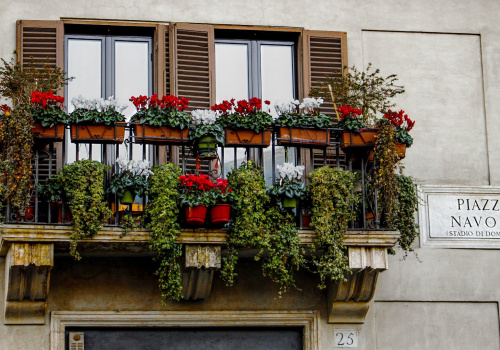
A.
pixel 309 320
pixel 200 263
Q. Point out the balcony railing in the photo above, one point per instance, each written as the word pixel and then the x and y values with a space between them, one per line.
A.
pixel 50 156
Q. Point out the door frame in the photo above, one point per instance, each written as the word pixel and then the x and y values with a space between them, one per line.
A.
pixel 308 320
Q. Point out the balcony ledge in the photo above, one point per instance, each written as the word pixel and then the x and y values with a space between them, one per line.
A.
pixel 108 242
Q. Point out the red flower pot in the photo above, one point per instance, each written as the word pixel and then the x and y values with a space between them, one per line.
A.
pixel 220 213
pixel 196 215
pixel 306 220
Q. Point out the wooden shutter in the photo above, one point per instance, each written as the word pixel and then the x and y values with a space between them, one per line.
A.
pixel 324 53
pixel 162 60
pixel 193 50
pixel 42 41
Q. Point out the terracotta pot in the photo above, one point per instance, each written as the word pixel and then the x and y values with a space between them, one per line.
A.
pixel 366 138
pixel 196 215
pixel 159 134
pixel 306 220
pixel 289 202
pixel 220 213
pixel 247 138
pixel 83 133
pixel 401 149
pixel 55 133
pixel 288 136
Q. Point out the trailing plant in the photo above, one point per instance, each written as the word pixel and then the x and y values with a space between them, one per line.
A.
pixel 351 119
pixel 47 108
pixel 385 178
pixel 129 223
pixel 332 208
pixel 132 176
pixel 97 111
pixel 248 228
pixel 204 124
pixel 403 126
pixel 289 185
pixel 305 114
pixel 163 211
pixel 83 186
pixel 404 220
pixel 367 90
pixel 194 190
pixel 17 82
pixel 167 111
pixel 243 115
pixel 284 254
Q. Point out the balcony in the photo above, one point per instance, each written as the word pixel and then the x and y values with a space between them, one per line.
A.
pixel 30 239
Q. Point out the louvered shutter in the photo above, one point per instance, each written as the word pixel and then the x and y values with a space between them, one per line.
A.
pixel 42 41
pixel 162 60
pixel 193 59
pixel 324 53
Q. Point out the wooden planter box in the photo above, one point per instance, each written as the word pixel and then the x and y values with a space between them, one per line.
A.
pixel 366 138
pixel 55 133
pixel 159 134
pixel 288 136
pixel 85 133
pixel 247 138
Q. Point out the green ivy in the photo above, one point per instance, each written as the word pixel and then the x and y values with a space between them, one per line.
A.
pixel 332 208
pixel 165 229
pixel 248 227
pixel 83 186
pixel 404 221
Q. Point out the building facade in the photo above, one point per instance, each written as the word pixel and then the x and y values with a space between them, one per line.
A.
pixel 444 297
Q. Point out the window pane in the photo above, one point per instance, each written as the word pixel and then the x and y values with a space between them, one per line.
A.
pixel 85 65
pixel 277 85
pixel 131 72
pixel 231 68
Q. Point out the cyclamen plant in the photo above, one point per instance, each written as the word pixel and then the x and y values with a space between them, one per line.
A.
pixel 96 111
pixel 165 111
pixel 305 114
pixel 402 124
pixel 194 190
pixel 289 185
pixel 351 119
pixel 133 176
pixel 221 193
pixel 47 108
pixel 204 123
pixel 244 114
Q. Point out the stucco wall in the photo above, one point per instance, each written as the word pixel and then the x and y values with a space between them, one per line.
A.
pixel 446 54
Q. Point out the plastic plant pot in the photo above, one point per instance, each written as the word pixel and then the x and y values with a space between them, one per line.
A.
pixel 289 202
pixel 220 214
pixel 196 215
pixel 127 198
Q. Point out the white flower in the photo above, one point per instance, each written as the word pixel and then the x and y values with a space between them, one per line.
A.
pixel 99 105
pixel 135 167
pixel 290 171
pixel 286 107
pixel 204 116
pixel 309 104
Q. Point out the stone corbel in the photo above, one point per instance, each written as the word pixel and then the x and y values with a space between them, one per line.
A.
pixel 348 302
pixel 27 276
pixel 200 263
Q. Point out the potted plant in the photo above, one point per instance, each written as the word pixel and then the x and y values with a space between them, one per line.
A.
pixel 160 121
pixel 301 124
pixel 221 198
pixel 205 133
pixel 402 126
pixel 97 121
pixel 52 192
pixel 244 122
pixel 290 188
pixel 48 115
pixel 355 134
pixel 194 197
pixel 131 181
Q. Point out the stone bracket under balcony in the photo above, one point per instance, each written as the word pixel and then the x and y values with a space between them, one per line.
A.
pixel 27 275
pixel 349 301
pixel 200 263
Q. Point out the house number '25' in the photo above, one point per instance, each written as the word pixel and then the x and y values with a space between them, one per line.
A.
pixel 346 338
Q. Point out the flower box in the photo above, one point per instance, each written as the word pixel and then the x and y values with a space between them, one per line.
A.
pixel 303 137
pixel 159 134
pixel 366 138
pixel 247 138
pixel 83 133
pixel 400 149
pixel 55 133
